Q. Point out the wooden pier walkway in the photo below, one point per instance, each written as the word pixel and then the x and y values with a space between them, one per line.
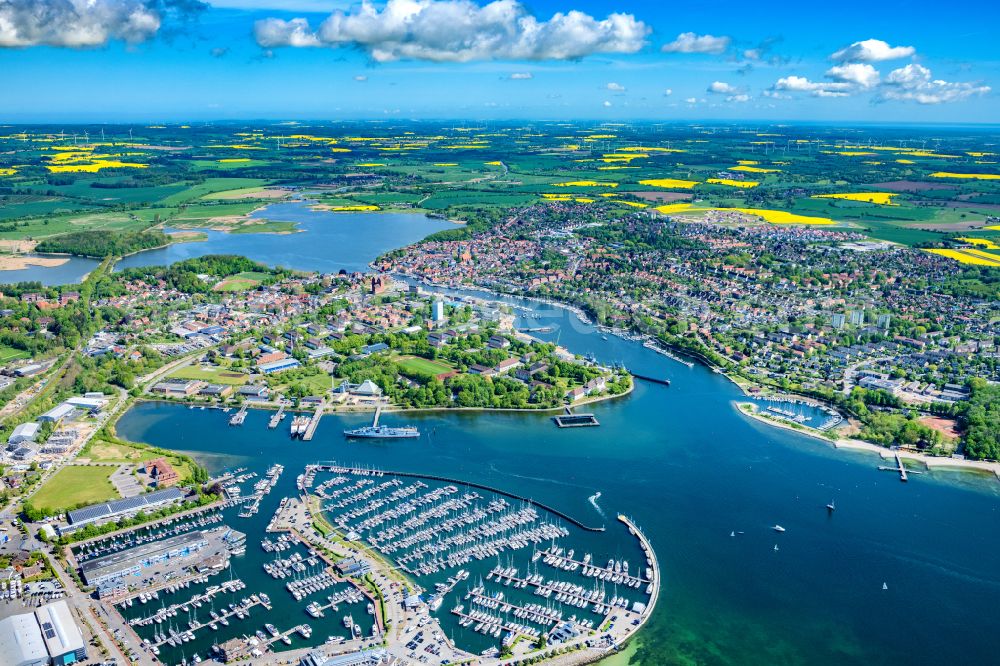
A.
pixel 313 424
pixel 899 468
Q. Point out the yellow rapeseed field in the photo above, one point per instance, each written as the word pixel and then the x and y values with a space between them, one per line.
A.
pixel 7 172
pixel 967 257
pixel 982 242
pixel 733 183
pixel 752 169
pixel 880 198
pixel 585 183
pixel 669 183
pixel 972 176
pixel 781 217
pixel 674 208
pixel 232 160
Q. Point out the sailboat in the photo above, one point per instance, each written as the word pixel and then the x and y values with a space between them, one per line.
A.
pixel 831 507
pixel 776 547
pixel 732 534
pixel 884 586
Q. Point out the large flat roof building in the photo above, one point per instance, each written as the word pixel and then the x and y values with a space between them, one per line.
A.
pixel 132 561
pixel 129 505
pixel 47 636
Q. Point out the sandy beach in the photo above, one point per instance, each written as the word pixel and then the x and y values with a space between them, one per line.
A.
pixel 15 262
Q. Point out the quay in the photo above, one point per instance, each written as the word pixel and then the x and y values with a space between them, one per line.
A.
pixel 313 424
pixel 571 420
pixel 276 418
pixel 470 484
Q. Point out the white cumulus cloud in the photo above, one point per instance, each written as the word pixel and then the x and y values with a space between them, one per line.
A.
pixel 86 23
pixel 916 83
pixel 521 76
pixel 459 31
pixel 722 88
pixel 862 75
pixel 815 88
pixel 615 87
pixel 668 92
pixel 872 50
pixel 689 42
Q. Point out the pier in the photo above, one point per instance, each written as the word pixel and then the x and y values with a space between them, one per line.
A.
pixel 487 622
pixel 196 601
pixel 276 419
pixel 469 484
pixel 313 424
pixel 177 637
pixel 899 468
pixel 239 417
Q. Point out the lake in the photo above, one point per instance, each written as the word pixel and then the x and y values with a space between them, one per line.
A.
pixel 327 242
pixel 71 272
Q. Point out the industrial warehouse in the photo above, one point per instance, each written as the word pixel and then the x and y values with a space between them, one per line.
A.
pixel 49 635
pixel 122 507
pixel 132 561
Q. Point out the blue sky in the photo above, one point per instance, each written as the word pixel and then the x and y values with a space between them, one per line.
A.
pixel 170 60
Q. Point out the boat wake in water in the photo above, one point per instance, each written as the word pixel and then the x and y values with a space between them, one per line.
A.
pixel 593 500
pixel 493 468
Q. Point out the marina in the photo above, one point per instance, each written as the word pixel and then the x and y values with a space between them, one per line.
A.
pixel 670 435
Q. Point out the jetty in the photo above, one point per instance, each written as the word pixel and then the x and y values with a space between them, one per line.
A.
pixel 240 611
pixel 313 424
pixel 239 417
pixel 899 468
pixel 654 380
pixel 276 418
pixel 571 420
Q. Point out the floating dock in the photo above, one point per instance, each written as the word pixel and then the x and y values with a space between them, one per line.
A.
pixel 571 420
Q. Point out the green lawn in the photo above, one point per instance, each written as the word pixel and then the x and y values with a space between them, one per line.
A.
pixel 423 365
pixel 268 227
pixel 75 485
pixel 212 375
pixel 210 186
pixel 11 354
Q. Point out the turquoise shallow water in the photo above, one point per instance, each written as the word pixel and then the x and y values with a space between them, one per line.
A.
pixel 690 469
